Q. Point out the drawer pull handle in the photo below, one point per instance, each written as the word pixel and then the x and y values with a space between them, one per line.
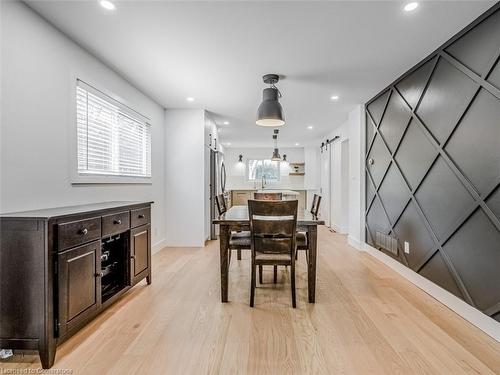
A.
pixel 141 216
pixel 117 222
pixel 132 257
pixel 84 231
pixel 99 274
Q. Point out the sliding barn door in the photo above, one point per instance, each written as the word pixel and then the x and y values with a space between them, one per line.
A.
pixel 325 186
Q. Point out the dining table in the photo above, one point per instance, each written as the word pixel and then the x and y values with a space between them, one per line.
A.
pixel 236 219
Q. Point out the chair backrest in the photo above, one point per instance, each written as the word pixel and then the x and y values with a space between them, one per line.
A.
pixel 315 204
pixel 221 204
pixel 268 196
pixel 273 226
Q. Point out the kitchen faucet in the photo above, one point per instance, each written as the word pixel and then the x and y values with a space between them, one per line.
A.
pixel 263 182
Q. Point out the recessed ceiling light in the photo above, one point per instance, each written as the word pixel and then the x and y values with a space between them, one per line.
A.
pixel 190 99
pixel 310 127
pixel 226 122
pixel 334 97
pixel 411 6
pixel 228 143
pixel 106 4
pixel 296 143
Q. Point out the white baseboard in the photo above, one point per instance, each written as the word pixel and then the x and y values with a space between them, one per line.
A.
pixel 486 324
pixel 340 228
pixel 354 242
pixel 158 246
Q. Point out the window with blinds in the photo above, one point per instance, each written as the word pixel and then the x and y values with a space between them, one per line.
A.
pixel 112 139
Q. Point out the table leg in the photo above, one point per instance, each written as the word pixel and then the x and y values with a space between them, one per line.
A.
pixel 311 262
pixel 224 262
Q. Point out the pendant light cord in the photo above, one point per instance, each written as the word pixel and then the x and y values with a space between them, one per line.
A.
pixel 273 86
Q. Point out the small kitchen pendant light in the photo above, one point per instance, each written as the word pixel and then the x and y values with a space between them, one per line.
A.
pixel 276 154
pixel 270 112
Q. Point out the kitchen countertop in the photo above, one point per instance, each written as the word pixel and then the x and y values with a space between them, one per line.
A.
pixel 284 192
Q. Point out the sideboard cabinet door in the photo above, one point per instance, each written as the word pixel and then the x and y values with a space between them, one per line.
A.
pixel 140 253
pixel 79 284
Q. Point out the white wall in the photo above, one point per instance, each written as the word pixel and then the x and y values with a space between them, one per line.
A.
pixel 236 179
pixel 185 177
pixel 347 153
pixel 39 67
pixel 312 170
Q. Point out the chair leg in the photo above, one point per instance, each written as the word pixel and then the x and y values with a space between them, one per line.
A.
pixel 229 257
pixel 275 274
pixel 252 286
pixel 260 275
pixel 292 276
pixel 239 254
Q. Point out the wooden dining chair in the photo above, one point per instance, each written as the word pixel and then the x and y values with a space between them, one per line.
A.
pixel 273 226
pixel 221 204
pixel 238 240
pixel 315 205
pixel 302 240
pixel 268 196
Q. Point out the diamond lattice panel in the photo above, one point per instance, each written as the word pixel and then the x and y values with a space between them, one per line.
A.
pixel 370 192
pixel 394 121
pixel 415 155
pixel 493 202
pixel 479 45
pixel 411 228
pixel 376 108
pixel 412 86
pixel 394 193
pixel 496 317
pixel 494 77
pixel 445 100
pixel 376 219
pixel 475 145
pixel 370 132
pixel 443 198
pixel 475 253
pixel 381 159
pixel 435 270
pixel 449 157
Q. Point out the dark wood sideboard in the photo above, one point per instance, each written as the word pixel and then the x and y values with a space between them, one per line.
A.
pixel 60 267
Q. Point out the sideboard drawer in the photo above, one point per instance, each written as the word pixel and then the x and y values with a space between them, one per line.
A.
pixel 78 232
pixel 115 223
pixel 140 217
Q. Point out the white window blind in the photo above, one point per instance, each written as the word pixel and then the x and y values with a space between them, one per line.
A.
pixel 113 140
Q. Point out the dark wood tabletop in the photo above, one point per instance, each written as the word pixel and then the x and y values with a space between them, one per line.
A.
pixel 239 215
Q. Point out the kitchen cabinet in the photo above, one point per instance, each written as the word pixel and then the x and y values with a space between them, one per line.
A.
pixel 79 284
pixel 241 197
pixel 140 254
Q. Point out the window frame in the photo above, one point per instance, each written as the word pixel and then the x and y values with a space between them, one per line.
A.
pixel 247 170
pixel 77 178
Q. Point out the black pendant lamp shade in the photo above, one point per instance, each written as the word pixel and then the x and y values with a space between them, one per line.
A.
pixel 276 154
pixel 270 112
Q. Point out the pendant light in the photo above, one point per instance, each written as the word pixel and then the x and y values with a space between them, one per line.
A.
pixel 270 112
pixel 276 154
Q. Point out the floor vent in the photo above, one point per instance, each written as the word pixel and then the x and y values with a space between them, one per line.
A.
pixel 386 242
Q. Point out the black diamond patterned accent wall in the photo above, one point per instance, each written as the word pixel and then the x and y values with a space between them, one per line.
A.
pixel 433 165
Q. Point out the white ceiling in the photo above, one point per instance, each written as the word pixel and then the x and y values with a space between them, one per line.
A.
pixel 217 52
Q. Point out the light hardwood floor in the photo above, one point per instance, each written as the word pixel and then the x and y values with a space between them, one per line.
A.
pixel 367 320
